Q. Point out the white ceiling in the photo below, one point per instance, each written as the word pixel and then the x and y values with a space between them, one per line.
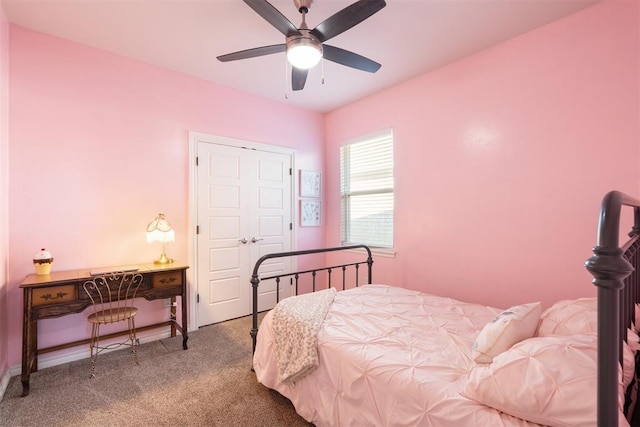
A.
pixel 408 37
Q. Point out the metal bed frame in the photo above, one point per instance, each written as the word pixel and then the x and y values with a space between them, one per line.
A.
pixel 614 268
pixel 255 277
pixel 615 271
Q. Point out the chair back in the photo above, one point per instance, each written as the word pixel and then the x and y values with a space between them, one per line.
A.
pixel 112 293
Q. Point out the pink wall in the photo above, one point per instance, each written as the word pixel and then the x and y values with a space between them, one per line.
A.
pixel 4 193
pixel 502 159
pixel 99 146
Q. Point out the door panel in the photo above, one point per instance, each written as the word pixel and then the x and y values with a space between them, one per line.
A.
pixel 270 226
pixel 244 211
pixel 224 228
pixel 224 196
pixel 225 290
pixel 224 259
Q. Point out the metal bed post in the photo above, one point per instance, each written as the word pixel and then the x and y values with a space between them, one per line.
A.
pixel 255 281
pixel 609 269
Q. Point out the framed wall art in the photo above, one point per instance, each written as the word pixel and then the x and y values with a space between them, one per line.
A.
pixel 310 183
pixel 310 213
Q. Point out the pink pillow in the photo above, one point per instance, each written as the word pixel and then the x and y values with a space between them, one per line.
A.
pixel 545 380
pixel 569 317
pixel 580 316
pixel 628 360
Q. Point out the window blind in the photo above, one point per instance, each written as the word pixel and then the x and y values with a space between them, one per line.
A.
pixel 366 190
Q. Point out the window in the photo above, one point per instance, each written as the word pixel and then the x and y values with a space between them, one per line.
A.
pixel 366 190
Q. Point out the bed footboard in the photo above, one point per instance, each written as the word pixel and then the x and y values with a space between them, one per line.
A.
pixel 295 276
pixel 614 268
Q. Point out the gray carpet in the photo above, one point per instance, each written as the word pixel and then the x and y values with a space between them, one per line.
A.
pixel 211 384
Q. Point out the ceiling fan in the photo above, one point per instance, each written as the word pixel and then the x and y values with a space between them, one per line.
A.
pixel 305 47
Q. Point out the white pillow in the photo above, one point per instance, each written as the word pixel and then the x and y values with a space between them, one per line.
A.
pixel 546 380
pixel 507 328
pixel 570 317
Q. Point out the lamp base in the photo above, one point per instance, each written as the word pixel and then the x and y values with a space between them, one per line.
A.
pixel 163 260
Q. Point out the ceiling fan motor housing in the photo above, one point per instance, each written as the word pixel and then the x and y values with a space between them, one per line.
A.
pixel 303 6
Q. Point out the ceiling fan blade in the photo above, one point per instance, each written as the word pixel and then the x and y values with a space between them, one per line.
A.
pixel 350 59
pixel 273 16
pixel 252 53
pixel 298 78
pixel 348 17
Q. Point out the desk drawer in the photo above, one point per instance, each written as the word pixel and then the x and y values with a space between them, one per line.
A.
pixel 169 279
pixel 54 295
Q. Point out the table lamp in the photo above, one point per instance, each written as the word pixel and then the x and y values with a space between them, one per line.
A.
pixel 159 230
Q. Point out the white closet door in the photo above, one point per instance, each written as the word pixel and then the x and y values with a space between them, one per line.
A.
pixel 244 211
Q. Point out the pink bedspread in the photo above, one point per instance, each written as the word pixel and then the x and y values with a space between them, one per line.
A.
pixel 388 356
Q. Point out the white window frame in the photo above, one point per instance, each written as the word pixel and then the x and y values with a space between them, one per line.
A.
pixel 345 194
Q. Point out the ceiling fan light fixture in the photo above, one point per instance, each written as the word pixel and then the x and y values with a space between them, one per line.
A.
pixel 304 52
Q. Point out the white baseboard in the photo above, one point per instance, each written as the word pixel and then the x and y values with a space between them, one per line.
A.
pixel 4 382
pixel 78 353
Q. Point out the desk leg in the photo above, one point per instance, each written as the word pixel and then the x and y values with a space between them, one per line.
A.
pixel 26 358
pixel 174 319
pixel 25 387
pixel 173 316
pixel 185 334
pixel 183 300
pixel 29 343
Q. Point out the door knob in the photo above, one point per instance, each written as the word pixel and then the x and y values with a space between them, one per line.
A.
pixel 253 239
pixel 243 240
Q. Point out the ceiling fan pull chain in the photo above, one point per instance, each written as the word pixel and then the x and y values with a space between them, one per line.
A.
pixel 322 65
pixel 286 73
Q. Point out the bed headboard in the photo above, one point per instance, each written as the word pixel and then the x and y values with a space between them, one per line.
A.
pixel 615 272
pixel 295 275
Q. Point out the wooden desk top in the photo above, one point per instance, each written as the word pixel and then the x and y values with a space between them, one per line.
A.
pixel 35 280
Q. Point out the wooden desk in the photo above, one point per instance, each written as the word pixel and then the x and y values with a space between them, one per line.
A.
pixel 60 293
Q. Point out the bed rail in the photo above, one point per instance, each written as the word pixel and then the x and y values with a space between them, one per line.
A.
pixel 255 277
pixel 614 270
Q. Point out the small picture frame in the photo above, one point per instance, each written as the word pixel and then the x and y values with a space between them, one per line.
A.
pixel 310 213
pixel 310 183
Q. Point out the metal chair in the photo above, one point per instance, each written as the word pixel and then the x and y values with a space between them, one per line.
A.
pixel 112 297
